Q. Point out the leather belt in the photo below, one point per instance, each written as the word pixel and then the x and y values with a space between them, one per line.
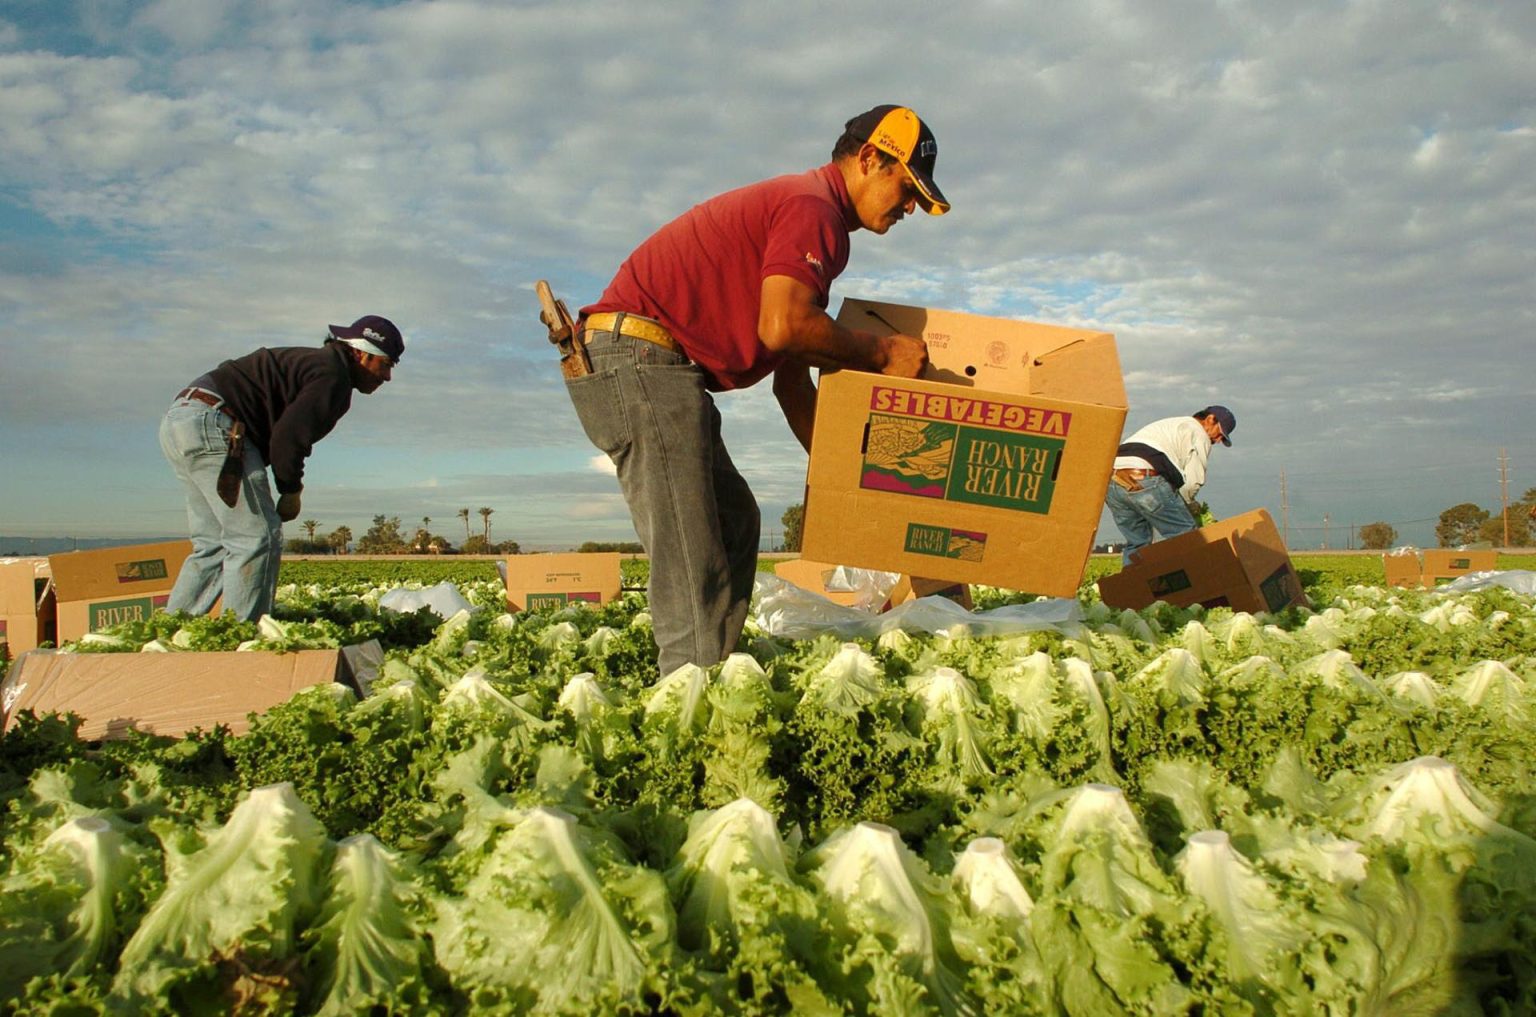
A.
pixel 202 395
pixel 1130 479
pixel 635 327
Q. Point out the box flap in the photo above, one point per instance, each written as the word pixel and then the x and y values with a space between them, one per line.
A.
pixel 23 584
pixel 812 575
pixel 363 662
pixel 1002 354
pixel 162 693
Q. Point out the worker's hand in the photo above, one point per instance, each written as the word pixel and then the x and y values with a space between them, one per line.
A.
pixel 288 507
pixel 905 356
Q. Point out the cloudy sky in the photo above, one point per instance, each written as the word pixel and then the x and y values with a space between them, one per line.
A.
pixel 1319 213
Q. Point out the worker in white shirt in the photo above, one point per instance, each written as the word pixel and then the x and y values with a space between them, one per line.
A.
pixel 1159 470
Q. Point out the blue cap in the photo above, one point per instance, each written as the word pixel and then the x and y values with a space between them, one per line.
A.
pixel 1223 417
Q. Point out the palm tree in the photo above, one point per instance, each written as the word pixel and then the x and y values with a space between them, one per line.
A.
pixel 485 514
pixel 310 526
pixel 339 539
pixel 464 515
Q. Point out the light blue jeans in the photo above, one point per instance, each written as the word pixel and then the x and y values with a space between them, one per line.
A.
pixel 1157 506
pixel 235 551
pixel 648 409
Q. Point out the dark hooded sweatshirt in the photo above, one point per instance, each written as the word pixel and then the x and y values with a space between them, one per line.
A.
pixel 288 398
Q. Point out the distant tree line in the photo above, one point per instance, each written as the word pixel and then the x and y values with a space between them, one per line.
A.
pixel 1467 523
pixel 386 536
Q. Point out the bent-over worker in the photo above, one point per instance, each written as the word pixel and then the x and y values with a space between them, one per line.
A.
pixel 729 292
pixel 1159 470
pixel 267 408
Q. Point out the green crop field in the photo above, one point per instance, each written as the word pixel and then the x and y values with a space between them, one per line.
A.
pixel 1322 575
pixel 1039 808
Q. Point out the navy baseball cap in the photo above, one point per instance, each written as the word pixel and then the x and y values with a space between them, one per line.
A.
pixel 372 334
pixel 1223 417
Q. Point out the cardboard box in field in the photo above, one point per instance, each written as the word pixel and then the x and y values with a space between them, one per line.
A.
pixel 814 576
pixel 554 580
pixel 991 468
pixel 1434 566
pixel 172 693
pixel 1239 563
pixel 1403 568
pixel 96 589
pixel 27 607
pixel 1441 565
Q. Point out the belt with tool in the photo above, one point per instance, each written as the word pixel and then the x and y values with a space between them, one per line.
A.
pixel 635 327
pixel 204 396
pixel 232 471
pixel 562 332
pixel 1131 479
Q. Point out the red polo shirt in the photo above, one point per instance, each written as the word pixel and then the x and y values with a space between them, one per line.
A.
pixel 701 274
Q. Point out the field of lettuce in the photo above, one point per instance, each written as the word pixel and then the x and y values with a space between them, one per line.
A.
pixel 1173 811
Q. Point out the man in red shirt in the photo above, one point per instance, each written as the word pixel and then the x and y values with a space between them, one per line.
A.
pixel 729 292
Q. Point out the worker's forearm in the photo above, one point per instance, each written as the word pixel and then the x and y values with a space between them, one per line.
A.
pixel 800 413
pixel 792 323
pixel 820 341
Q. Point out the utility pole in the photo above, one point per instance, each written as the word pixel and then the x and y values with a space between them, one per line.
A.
pixel 1285 512
pixel 1504 489
pixel 1325 531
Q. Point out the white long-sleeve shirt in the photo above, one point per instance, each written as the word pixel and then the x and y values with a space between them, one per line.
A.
pixel 1183 440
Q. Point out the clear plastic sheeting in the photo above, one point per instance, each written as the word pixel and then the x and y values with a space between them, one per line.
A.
pixel 784 609
pixel 872 587
pixel 1518 580
pixel 444 599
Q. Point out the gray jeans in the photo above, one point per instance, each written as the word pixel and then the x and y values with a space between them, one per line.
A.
pixel 648 409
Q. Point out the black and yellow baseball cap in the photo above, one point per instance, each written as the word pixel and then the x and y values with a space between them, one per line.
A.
pixel 900 133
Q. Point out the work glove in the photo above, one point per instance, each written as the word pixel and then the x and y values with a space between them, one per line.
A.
pixel 1205 518
pixel 288 507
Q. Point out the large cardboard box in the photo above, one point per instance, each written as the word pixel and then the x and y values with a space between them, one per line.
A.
pixel 171 693
pixel 1239 563
pixel 1403 568
pixel 554 580
pixel 991 468
pixel 27 610
pixel 1441 565
pixel 815 575
pixel 97 589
